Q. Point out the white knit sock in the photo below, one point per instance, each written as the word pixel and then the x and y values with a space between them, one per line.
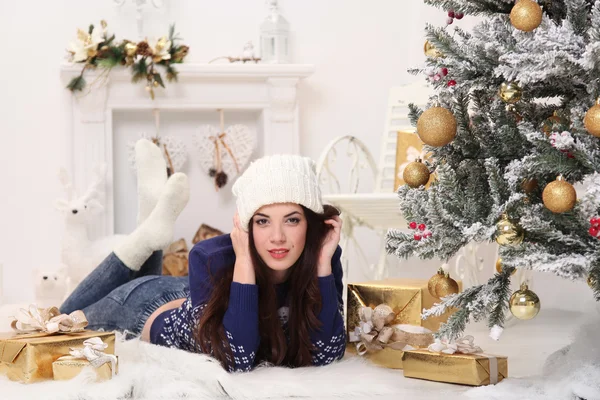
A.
pixel 151 177
pixel 156 232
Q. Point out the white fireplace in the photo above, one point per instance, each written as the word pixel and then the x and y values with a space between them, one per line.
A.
pixel 263 95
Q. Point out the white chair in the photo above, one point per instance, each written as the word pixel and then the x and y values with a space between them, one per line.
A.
pixel 377 209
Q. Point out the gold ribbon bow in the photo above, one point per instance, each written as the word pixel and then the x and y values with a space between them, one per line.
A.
pixel 375 332
pixel 93 351
pixel 48 321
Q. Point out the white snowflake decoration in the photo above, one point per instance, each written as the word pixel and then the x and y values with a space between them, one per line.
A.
pixel 240 139
pixel 175 146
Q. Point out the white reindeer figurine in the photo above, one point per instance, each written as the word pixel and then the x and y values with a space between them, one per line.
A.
pixel 79 254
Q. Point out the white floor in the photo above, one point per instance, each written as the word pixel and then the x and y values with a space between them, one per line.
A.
pixel 526 343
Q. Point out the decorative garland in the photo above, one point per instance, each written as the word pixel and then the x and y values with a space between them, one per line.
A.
pixel 97 49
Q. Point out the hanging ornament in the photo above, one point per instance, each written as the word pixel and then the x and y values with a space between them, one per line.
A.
pixel 445 286
pixel 529 185
pixel 436 126
pixel 431 51
pixel 526 15
pixel 550 122
pixel 173 148
pixel 592 119
pixel 416 174
pixel 559 196
pixel 499 267
pixel 510 92
pixel 224 153
pixel 591 281
pixel 434 280
pixel 524 303
pixel 508 233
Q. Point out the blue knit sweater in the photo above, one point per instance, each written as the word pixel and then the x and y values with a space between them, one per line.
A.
pixel 173 328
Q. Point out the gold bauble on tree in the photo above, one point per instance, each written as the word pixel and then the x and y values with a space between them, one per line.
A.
pixel 445 286
pixel 416 174
pixel 529 185
pixel 559 196
pixel 510 92
pixel 592 119
pixel 431 51
pixel 524 303
pixel 508 233
pixel 434 281
pixel 591 281
pixel 499 267
pixel 436 126
pixel 526 15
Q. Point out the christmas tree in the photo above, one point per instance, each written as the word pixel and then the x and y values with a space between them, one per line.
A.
pixel 511 128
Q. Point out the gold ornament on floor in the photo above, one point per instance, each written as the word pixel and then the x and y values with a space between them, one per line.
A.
pixel 559 196
pixel 499 267
pixel 436 126
pixel 434 281
pixel 446 286
pixel 508 233
pixel 416 174
pixel 431 51
pixel 524 303
pixel 526 15
pixel 592 119
pixel 510 92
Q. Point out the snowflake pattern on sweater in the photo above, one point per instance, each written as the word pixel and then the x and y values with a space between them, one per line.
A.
pixel 174 328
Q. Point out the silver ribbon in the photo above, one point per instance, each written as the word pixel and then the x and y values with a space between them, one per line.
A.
pixel 93 351
pixel 465 345
pixel 48 320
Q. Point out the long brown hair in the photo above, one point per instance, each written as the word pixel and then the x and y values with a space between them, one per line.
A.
pixel 304 303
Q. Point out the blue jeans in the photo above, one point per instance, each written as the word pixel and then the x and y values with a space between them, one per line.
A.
pixel 113 297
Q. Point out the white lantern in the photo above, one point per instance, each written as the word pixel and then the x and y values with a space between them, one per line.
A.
pixel 274 37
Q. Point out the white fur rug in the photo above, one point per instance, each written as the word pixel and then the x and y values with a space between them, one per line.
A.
pixel 155 373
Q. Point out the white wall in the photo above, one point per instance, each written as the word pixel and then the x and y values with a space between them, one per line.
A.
pixel 360 49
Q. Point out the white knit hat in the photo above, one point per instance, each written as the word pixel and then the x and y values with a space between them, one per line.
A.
pixel 277 179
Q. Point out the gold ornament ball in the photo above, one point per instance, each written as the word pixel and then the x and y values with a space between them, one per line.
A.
pixel 499 267
pixel 436 126
pixel 524 303
pixel 559 196
pixel 591 281
pixel 508 233
pixel 433 281
pixel 529 185
pixel 416 174
pixel 445 287
pixel 526 15
pixel 591 121
pixel 431 51
pixel 510 92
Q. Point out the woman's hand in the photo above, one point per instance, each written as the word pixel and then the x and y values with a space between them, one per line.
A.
pixel 243 271
pixel 330 243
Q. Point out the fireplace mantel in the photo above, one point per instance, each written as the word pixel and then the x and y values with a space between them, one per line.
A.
pixel 265 88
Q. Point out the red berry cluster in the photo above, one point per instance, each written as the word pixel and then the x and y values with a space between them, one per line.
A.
pixel 420 231
pixel 595 226
pixel 441 73
pixel 452 15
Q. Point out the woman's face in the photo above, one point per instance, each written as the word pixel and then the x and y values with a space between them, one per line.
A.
pixel 279 233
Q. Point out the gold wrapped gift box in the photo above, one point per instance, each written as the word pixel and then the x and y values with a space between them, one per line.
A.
pixel 466 369
pixel 68 367
pixel 406 297
pixel 28 358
